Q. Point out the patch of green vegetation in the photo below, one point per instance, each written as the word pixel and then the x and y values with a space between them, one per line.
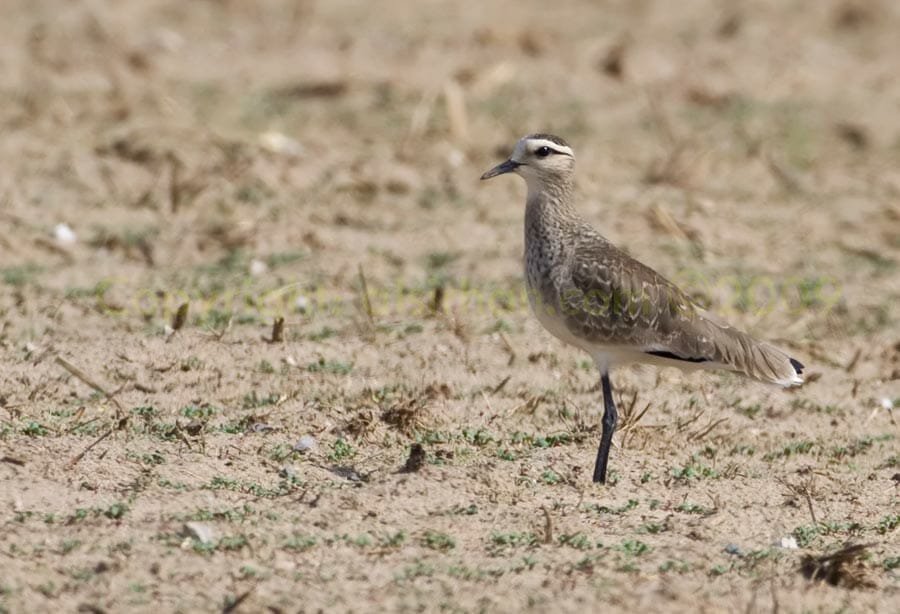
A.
pixel 165 483
pixel 694 508
pixel 393 540
pixel 676 566
pixel 252 400
pixel 552 440
pixel 323 333
pixel 69 545
pixel 805 534
pixel 277 259
pixel 438 541
pixel 579 541
pixel 892 562
pixel 341 450
pixel 300 542
pixel 457 510
pixel 634 547
pixel 18 276
pixel 859 446
pixel 419 569
pixel 266 367
pixel 33 428
pixel 506 454
pixel 694 469
pixel 551 477
pixel 478 437
pixel 790 449
pixel 198 411
pixel 651 527
pixel 153 458
pixel 888 523
pixel 499 542
pixel 330 366
pixel 115 511
pixel 439 260
pixel 145 411
pixel 719 569
pixel 618 511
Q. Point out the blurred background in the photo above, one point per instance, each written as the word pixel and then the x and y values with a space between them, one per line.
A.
pixel 287 142
pixel 318 161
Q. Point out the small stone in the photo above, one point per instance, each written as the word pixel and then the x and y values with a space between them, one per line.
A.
pixel 199 531
pixel 787 542
pixel 305 444
pixel 288 473
pixel 278 143
pixel 258 267
pixel 64 234
pixel 733 549
pixel 887 403
pixel 301 304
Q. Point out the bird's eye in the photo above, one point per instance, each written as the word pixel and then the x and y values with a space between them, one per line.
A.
pixel 542 152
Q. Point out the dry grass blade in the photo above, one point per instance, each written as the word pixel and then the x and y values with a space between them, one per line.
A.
pixel 364 297
pixel 456 111
pixel 84 377
pixel 406 415
pixel 629 417
pixel 706 430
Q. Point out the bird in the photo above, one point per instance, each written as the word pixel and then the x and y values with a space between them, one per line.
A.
pixel 592 295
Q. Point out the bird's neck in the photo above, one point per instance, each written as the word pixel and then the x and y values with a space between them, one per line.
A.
pixel 549 205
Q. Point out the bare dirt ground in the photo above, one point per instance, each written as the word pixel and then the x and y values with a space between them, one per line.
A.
pixel 319 161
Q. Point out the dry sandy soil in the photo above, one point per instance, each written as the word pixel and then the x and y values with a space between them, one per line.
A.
pixel 319 161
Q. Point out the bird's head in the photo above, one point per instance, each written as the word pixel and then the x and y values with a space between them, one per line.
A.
pixel 541 159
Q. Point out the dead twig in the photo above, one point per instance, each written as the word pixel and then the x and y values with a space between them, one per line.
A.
pixel 84 377
pixel 119 424
pixel 366 301
pixel 277 330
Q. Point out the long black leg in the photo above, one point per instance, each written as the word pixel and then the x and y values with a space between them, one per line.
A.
pixel 609 427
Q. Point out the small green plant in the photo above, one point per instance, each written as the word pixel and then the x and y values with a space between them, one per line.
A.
pixel 253 400
pixel 676 566
pixel 694 508
pixel 634 547
pixel 791 449
pixel 266 367
pixel 198 411
pixel 438 541
pixel 34 429
pixel 694 469
pixel 116 510
pixel 579 541
pixel 618 511
pixel 330 366
pixel 300 542
pixel 805 534
pixel 341 450
pixel 888 523
pixel 551 477
pixel 393 540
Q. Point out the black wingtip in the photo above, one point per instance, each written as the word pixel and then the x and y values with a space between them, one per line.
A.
pixel 798 366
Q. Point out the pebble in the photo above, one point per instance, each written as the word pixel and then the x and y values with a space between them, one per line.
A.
pixel 64 234
pixel 200 531
pixel 788 542
pixel 305 444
